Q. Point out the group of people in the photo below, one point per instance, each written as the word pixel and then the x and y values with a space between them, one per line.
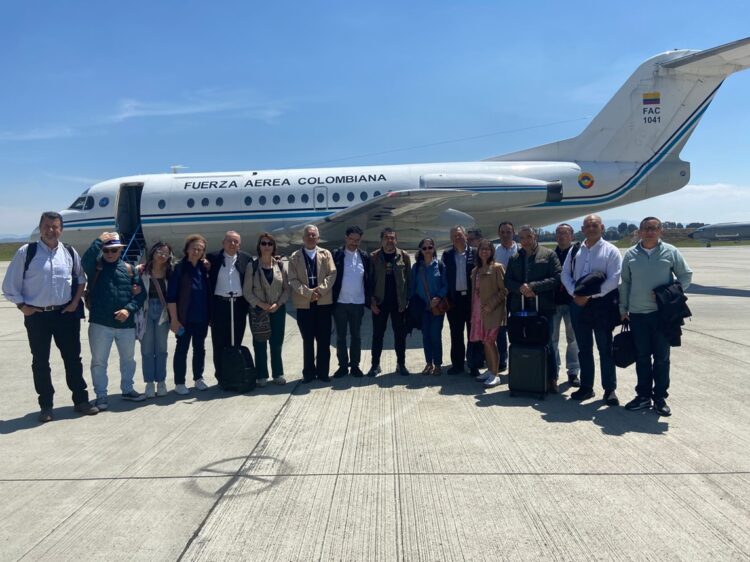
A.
pixel 587 285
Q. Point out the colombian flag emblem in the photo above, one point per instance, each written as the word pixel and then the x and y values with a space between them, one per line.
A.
pixel 586 180
pixel 651 98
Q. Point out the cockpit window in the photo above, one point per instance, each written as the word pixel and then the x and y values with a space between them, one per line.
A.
pixel 83 203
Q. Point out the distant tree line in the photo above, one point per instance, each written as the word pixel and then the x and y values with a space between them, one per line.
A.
pixel 623 230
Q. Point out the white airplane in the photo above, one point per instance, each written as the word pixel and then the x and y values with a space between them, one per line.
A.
pixel 725 231
pixel 629 152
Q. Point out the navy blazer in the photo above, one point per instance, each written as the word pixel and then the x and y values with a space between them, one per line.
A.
pixel 449 261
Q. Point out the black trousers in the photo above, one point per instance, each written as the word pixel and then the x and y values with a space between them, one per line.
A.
pixel 221 336
pixel 315 326
pixel 459 317
pixel 379 325
pixel 351 315
pixel 41 328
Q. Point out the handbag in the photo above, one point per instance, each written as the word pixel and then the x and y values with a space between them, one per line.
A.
pixel 623 347
pixel 442 305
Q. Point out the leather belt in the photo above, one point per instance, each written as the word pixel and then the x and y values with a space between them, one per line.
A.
pixel 221 297
pixel 51 308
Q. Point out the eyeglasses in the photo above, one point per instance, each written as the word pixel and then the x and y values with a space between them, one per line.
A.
pixel 428 247
pixel 110 250
pixel 266 243
pixel 162 254
pixel 651 228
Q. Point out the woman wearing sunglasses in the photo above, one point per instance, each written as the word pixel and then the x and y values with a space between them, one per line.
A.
pixel 154 274
pixel 266 286
pixel 488 310
pixel 431 285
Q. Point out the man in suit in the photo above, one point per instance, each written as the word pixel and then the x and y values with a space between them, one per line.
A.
pixel 225 277
pixel 312 274
pixel 459 260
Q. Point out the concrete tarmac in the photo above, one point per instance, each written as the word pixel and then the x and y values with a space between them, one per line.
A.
pixel 392 468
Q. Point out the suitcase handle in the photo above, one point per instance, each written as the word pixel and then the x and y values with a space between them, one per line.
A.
pixel 523 303
pixel 231 316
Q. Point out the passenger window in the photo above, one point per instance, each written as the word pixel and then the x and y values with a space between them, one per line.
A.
pixel 204 201
pixel 350 196
pixel 336 197
pixel 363 196
pixel 162 203
pixel 262 200
pixel 248 201
pixel 290 199
pixel 320 198
pixel 104 201
pixel 376 194
pixel 276 199
pixel 305 198
pixel 219 201
pixel 191 202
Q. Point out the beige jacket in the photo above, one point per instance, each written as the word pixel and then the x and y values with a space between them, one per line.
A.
pixel 492 294
pixel 256 288
pixel 301 293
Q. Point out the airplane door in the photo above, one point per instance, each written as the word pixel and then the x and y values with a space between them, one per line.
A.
pixel 128 215
pixel 320 198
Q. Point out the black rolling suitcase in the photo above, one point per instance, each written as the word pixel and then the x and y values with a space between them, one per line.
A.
pixel 237 367
pixel 529 354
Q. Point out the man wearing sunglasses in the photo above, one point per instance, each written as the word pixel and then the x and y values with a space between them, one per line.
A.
pixel 225 279
pixel 649 264
pixel 116 293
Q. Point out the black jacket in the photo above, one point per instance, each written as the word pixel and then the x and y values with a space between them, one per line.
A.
pixel 449 261
pixel 542 273
pixel 561 295
pixel 671 302
pixel 338 260
pixel 216 259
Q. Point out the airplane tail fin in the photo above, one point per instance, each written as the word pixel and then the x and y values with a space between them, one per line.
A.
pixel 655 111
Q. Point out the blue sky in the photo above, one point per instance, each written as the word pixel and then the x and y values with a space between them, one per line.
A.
pixel 95 90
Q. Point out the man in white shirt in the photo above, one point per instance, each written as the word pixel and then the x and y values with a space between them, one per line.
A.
pixel 226 276
pixel 506 249
pixel 593 308
pixel 351 293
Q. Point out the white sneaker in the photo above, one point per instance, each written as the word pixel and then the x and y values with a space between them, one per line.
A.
pixel 150 391
pixel 261 382
pixel 493 380
pixel 484 376
pixel 200 384
pixel 161 389
pixel 181 389
pixel 279 380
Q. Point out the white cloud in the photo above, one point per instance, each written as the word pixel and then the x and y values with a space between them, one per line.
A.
pixel 240 104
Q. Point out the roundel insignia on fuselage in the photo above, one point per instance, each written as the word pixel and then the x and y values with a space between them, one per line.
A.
pixel 586 180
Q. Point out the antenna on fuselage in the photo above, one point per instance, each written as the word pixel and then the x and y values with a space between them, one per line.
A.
pixel 176 167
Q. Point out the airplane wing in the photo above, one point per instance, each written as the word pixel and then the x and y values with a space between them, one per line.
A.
pixel 427 209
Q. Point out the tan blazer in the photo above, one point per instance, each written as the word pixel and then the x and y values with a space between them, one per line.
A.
pixel 301 293
pixel 492 294
pixel 256 288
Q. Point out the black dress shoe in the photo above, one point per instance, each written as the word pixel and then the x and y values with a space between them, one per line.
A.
pixel 86 408
pixel 374 371
pixel 456 371
pixel 324 378
pixel 610 398
pixel 574 381
pixel 474 372
pixel 45 415
pixel 340 372
pixel 661 408
pixel 356 372
pixel 582 394
pixel 402 370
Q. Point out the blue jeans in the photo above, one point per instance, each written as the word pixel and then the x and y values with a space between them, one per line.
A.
pixel 100 340
pixel 196 332
pixel 432 339
pixel 586 332
pixel 154 344
pixel 562 314
pixel 650 341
